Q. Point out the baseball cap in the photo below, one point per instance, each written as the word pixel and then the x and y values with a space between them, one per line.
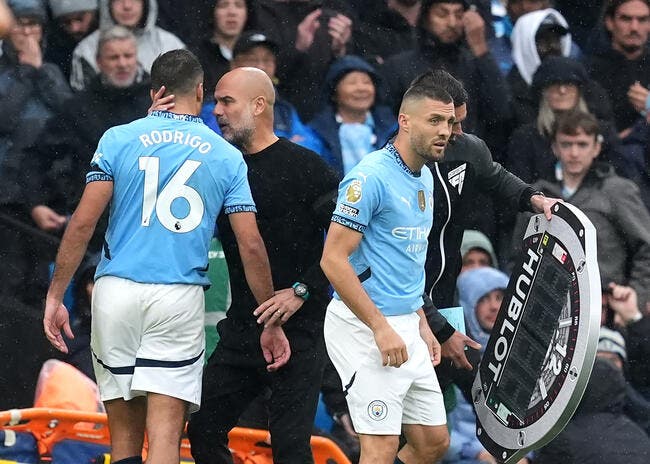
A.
pixel 551 23
pixel 252 39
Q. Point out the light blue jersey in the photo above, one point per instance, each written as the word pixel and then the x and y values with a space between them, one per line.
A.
pixel 171 177
pixel 393 208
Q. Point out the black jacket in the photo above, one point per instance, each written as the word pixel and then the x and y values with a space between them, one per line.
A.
pixel 466 169
pixel 616 74
pixel 488 106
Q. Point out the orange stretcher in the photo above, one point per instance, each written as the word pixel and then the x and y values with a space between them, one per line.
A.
pixel 51 427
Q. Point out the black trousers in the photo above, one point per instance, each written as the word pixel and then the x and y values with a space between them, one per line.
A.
pixel 229 387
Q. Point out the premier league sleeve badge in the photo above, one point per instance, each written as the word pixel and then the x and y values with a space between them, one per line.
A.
pixel 541 350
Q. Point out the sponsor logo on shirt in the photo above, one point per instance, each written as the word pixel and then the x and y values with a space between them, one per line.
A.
pixel 457 177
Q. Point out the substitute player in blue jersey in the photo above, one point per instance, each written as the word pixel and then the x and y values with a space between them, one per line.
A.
pixel 374 257
pixel 167 177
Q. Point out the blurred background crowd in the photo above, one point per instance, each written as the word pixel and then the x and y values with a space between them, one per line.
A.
pixel 70 69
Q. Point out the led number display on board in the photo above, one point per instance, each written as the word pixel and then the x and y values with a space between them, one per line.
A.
pixel 539 357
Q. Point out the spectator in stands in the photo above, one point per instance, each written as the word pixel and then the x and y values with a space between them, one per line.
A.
pixel 137 15
pixel 612 203
pixel 453 38
pixel 477 251
pixel 118 95
pixel 6 19
pixel 216 51
pixel 32 92
pixel 481 291
pixel 310 34
pixel 599 431
pixel 351 123
pixel 388 28
pixel 624 69
pixel 257 50
pixel 559 86
pixel 535 36
pixel 621 311
pixel 73 21
pixel 190 21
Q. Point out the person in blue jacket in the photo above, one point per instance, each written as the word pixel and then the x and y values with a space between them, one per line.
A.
pixel 351 123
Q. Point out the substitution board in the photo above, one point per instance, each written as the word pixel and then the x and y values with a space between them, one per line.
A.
pixel 542 347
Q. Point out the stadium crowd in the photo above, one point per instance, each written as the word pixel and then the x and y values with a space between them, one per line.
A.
pixel 558 90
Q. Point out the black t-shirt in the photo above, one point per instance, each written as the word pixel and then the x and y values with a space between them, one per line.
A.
pixel 295 194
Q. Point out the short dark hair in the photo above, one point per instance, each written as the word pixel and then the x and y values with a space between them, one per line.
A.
pixel 613 5
pixel 425 89
pixel 447 82
pixel 572 122
pixel 178 70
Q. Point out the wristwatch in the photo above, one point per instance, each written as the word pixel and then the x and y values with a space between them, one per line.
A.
pixel 301 290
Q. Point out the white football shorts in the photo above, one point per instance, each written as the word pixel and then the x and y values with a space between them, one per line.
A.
pixel 148 338
pixel 381 398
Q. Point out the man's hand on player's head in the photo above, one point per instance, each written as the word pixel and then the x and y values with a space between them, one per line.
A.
pixel 275 347
pixel 454 349
pixel 160 103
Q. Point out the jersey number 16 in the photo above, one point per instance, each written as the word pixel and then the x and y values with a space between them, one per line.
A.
pixel 175 188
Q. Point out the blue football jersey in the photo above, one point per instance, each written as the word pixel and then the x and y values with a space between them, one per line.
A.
pixel 171 177
pixel 393 208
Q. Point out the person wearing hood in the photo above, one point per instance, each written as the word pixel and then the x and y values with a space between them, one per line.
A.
pixel 73 20
pixel 32 92
pixel 452 37
pixel 560 85
pixel 139 16
pixel 351 123
pixel 481 291
pixel 612 203
pixel 535 36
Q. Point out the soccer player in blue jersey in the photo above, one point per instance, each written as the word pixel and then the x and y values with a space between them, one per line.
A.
pixel 374 257
pixel 166 177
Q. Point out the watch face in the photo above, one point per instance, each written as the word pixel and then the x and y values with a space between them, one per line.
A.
pixel 300 290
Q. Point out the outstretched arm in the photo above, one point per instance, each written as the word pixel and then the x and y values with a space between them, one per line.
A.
pixel 73 247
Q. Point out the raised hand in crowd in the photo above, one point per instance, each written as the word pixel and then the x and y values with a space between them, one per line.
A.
pixel 307 30
pixel 339 27
pixel 474 28
pixel 27 46
pixel 624 302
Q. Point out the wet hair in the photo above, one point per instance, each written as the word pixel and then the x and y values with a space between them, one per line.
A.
pixel 572 122
pixel 178 70
pixel 442 79
pixel 114 33
pixel 425 89
pixel 612 6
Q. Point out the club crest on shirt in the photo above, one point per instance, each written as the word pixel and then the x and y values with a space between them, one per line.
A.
pixel 377 410
pixel 422 202
pixel 353 193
